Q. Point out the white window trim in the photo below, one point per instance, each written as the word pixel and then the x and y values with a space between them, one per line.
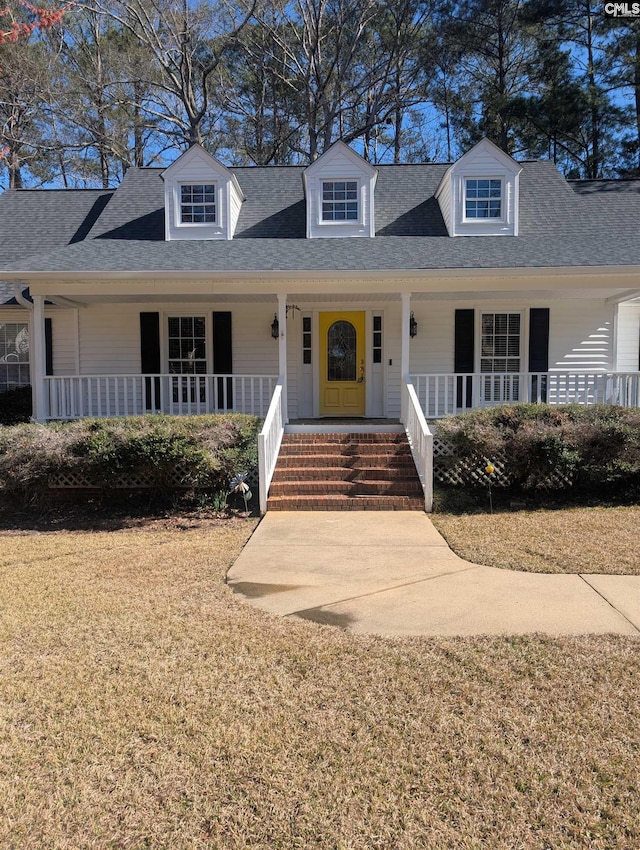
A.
pixel 350 222
pixel 186 313
pixel 503 199
pixel 4 364
pixel 177 194
pixel 524 335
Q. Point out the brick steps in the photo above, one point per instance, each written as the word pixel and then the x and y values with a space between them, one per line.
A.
pixel 345 503
pixel 331 471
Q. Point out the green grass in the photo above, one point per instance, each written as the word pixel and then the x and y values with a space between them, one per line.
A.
pixel 143 705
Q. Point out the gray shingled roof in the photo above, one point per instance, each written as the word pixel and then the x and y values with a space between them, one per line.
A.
pixel 39 221
pixel 586 223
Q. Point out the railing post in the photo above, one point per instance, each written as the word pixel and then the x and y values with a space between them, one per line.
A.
pixel 262 473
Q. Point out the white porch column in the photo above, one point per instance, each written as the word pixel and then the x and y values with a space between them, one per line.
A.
pixel 38 359
pixel 282 352
pixel 406 315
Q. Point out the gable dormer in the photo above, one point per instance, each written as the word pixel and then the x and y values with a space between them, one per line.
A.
pixel 339 189
pixel 478 194
pixel 202 198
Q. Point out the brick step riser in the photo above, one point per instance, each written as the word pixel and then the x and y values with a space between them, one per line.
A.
pixel 312 439
pixel 342 488
pixel 343 503
pixel 340 473
pixel 333 461
pixel 346 451
pixel 347 461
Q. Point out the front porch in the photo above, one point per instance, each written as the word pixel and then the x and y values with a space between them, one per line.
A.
pixel 79 396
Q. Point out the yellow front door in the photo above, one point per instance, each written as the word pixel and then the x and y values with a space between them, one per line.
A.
pixel 342 361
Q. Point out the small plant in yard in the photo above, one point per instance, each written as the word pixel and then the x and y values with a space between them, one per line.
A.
pixel 490 470
pixel 239 486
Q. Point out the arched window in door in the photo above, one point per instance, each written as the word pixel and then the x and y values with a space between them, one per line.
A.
pixel 341 352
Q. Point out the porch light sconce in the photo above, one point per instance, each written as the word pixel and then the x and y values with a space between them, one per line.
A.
pixel 413 326
pixel 275 327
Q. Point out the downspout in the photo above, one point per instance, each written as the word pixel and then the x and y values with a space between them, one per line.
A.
pixel 17 294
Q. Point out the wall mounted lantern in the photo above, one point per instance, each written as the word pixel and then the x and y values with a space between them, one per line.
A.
pixel 413 326
pixel 275 327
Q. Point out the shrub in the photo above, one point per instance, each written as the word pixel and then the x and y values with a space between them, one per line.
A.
pixel 171 454
pixel 549 447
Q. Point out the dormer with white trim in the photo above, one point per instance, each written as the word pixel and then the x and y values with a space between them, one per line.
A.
pixel 478 195
pixel 202 198
pixel 339 191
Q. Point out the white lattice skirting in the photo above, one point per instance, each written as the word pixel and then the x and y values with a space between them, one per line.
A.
pixel 79 480
pixel 472 472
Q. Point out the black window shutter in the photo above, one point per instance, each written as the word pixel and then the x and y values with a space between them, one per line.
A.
pixel 150 358
pixel 223 356
pixel 539 350
pixel 48 347
pixel 464 350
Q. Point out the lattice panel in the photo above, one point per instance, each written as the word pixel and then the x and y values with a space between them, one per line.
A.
pixel 77 479
pixel 472 472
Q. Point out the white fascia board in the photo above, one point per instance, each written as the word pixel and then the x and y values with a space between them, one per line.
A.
pixel 34 277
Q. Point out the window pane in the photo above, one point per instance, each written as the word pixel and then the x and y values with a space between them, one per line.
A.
pixel 341 352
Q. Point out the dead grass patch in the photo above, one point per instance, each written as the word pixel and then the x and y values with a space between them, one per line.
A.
pixel 571 540
pixel 144 706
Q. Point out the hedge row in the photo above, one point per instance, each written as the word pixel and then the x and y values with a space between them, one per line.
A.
pixel 207 451
pixel 591 448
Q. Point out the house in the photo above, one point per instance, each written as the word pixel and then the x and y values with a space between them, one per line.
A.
pixel 202 288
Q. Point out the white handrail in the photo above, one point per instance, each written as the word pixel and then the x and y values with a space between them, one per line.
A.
pixel 269 441
pixel 446 394
pixel 420 439
pixel 78 396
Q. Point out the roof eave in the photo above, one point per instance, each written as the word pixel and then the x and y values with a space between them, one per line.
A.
pixel 30 276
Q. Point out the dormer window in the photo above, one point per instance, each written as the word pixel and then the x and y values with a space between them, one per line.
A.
pixel 482 198
pixel 338 190
pixel 339 200
pixel 479 194
pixel 202 197
pixel 197 203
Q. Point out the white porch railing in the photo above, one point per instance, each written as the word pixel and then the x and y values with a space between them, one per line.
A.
pixel 420 439
pixel 447 394
pixel 78 396
pixel 269 441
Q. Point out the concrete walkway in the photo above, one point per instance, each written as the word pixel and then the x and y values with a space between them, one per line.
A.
pixel 393 574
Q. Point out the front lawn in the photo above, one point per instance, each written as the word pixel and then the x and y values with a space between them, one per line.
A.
pixel 569 540
pixel 143 705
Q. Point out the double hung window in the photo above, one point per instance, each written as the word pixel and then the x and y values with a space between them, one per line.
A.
pixel 482 198
pixel 188 356
pixel 197 203
pixel 500 355
pixel 339 200
pixel 14 355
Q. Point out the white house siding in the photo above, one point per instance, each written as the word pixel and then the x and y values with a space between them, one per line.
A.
pixel 444 197
pixel 580 333
pixel 110 336
pixel 64 341
pixel 628 338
